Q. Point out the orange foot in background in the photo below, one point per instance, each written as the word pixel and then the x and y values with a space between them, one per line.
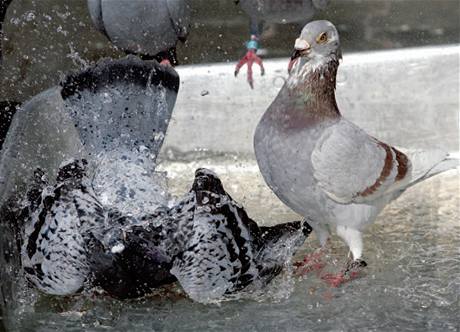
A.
pixel 249 59
pixel 165 62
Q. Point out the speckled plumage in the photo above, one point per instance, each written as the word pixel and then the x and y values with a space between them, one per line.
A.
pixel 120 110
pixel 54 254
pixel 206 241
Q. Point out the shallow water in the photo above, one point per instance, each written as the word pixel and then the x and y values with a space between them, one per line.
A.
pixel 411 283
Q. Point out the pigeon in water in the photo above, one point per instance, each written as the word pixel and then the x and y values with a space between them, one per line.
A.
pixel 323 166
pixel 54 254
pixel 272 11
pixel 225 251
pixel 120 110
pixel 147 28
pixel 206 241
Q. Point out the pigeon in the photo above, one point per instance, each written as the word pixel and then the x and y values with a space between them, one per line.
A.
pixel 323 166
pixel 206 241
pixel 120 110
pixel 272 11
pixel 226 251
pixel 149 29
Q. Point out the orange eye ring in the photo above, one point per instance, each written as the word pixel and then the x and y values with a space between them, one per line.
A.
pixel 322 38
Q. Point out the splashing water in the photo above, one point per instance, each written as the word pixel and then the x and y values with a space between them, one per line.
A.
pixel 412 279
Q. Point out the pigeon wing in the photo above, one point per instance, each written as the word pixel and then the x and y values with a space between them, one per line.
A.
pixel 353 167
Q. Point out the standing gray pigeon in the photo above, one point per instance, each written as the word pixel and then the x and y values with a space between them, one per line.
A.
pixel 323 166
pixel 272 11
pixel 147 28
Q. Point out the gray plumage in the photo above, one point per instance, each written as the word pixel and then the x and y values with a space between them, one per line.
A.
pixel 120 111
pixel 206 241
pixel 142 26
pixel 320 164
pixel 54 255
pixel 225 251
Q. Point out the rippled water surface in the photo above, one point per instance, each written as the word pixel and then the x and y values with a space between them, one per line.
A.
pixel 412 281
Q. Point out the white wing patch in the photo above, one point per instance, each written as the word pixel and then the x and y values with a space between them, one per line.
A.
pixel 353 167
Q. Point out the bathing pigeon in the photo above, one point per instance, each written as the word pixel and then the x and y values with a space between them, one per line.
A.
pixel 146 28
pixel 119 111
pixel 206 241
pixel 272 11
pixel 320 164
pixel 225 250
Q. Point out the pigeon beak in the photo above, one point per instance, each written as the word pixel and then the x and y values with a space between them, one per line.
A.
pixel 301 47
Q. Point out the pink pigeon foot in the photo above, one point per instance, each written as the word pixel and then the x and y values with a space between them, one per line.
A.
pixel 352 271
pixel 311 262
pixel 165 62
pixel 249 59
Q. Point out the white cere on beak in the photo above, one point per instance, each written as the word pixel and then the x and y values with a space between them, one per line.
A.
pixel 301 44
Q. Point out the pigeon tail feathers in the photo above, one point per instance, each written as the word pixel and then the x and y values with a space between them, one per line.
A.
pixel 121 104
pixel 428 163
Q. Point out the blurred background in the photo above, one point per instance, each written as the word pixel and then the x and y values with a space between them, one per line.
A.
pixel 43 39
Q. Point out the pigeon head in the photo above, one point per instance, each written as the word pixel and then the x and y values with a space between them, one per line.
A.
pixel 207 180
pixel 317 45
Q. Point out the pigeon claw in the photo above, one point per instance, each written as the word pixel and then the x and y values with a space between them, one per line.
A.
pixel 249 59
pixel 352 271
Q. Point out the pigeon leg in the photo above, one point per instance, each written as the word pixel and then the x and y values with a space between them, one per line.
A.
pixel 313 261
pixel 249 58
pixel 354 240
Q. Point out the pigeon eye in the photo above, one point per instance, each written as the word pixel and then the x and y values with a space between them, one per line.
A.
pixel 322 38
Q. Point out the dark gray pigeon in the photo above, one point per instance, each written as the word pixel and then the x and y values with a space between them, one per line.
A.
pixel 272 11
pixel 147 28
pixel 323 166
